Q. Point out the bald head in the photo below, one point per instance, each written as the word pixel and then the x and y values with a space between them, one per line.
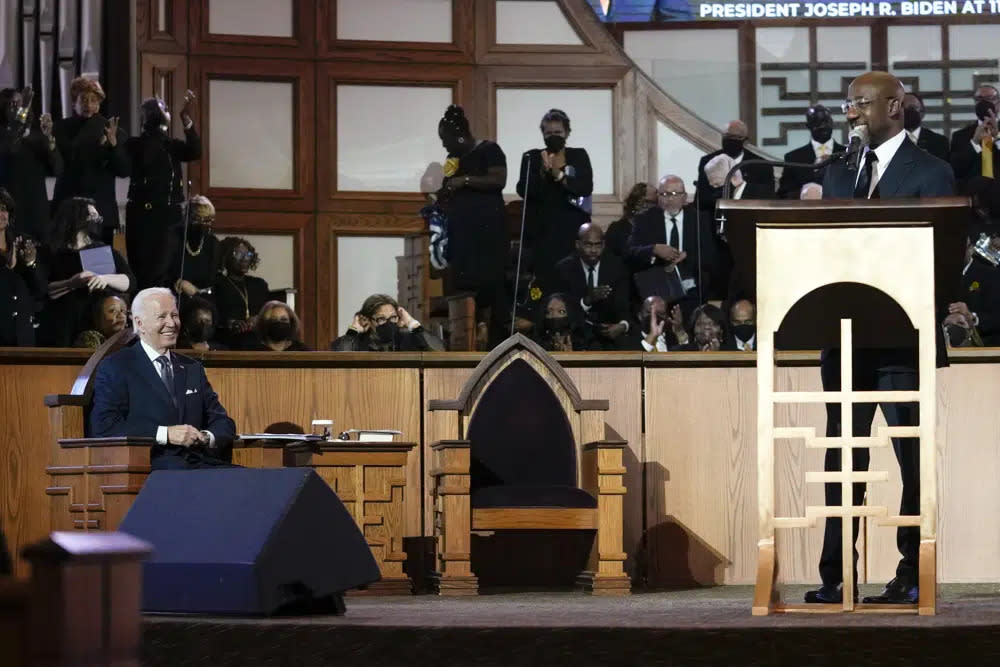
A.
pixel 654 304
pixel 878 104
pixel 590 243
pixel 670 194
pixel 737 128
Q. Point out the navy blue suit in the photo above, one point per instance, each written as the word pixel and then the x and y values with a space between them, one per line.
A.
pixel 130 399
pixel 912 172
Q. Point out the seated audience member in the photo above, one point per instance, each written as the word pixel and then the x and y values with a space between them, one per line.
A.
pixel 708 326
pixel 667 236
pixel 716 170
pixel 238 296
pixel 760 175
pixel 811 191
pixel 382 326
pixel 599 283
pixel 109 315
pixel 202 250
pixel 77 227
pixel 959 331
pixel 147 390
pixel 967 142
pixel 742 327
pixel 277 330
pixel 924 137
pixel 22 282
pixel 198 326
pixel 821 147
pixel 640 198
pixel 657 332
pixel 560 326
pixel 980 307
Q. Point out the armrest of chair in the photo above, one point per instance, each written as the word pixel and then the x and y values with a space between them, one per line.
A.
pixel 65 400
pixel 122 454
pixel 451 467
pixel 603 458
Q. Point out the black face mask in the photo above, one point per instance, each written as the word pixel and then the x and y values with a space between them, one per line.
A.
pixel 386 331
pixel 557 324
pixel 956 335
pixel 821 135
pixel 555 143
pixel 200 332
pixel 744 331
pixel 911 118
pixel 277 330
pixel 983 109
pixel 732 147
pixel 95 230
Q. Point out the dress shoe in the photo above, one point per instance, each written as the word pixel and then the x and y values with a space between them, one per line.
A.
pixel 828 594
pixel 896 591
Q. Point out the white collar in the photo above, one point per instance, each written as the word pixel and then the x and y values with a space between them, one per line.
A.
pixel 887 150
pixel 151 353
pixel 587 267
pixel 915 134
pixel 828 145
pixel 739 158
pixel 679 216
pixel 742 345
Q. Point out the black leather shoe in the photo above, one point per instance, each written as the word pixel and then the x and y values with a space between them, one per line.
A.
pixel 828 594
pixel 896 592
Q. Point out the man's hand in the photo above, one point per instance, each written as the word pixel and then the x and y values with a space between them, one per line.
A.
pixel 656 326
pixel 736 180
pixel 667 253
pixel 597 294
pixel 184 435
pixel 187 109
pixel 185 287
pixel 82 279
pixel 45 125
pixel 680 258
pixel 612 331
pixel 987 128
pixel 110 135
pixel 959 319
pixel 677 325
pixel 962 309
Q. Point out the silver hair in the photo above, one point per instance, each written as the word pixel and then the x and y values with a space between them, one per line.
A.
pixel 140 302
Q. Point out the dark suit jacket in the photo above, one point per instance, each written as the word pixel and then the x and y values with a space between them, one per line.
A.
pixel 759 174
pixel 965 161
pixel 650 228
pixel 934 143
pixel 793 178
pixel 28 165
pixel 911 173
pixel 572 280
pixel 981 287
pixel 130 400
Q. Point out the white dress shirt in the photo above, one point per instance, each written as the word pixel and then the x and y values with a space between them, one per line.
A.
pixel 161 431
pixel 597 281
pixel 667 225
pixel 885 152
pixel 915 135
pixel 661 344
pixel 748 345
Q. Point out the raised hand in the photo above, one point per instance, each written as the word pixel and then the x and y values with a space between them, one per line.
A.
pixel 45 125
pixel 111 132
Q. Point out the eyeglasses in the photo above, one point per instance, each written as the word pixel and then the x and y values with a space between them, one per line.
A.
pixel 859 103
pixel 382 320
pixel 985 98
pixel 246 254
pixel 671 193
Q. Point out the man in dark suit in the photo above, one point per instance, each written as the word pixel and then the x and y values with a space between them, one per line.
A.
pixel 599 282
pixel 891 167
pixel 146 390
pixel 732 145
pixel 967 142
pixel 819 122
pixel 924 137
pixel 667 237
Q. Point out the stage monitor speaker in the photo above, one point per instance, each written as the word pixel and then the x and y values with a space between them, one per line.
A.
pixel 247 541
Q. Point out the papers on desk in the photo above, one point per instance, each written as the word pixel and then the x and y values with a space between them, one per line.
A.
pixel 287 437
pixel 99 260
pixel 370 435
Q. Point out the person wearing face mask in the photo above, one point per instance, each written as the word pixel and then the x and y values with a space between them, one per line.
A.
pixel 560 326
pixel 557 195
pixel 109 315
pixel 383 326
pixel 277 330
pixel 471 198
pixel 70 287
pixel 201 251
pixel 28 157
pixel 979 310
pixel 238 296
pixel 967 159
pixel 924 137
pixel 154 212
pixel 198 319
pixel 733 141
pixel 819 122
pixel 93 152
pixel 742 327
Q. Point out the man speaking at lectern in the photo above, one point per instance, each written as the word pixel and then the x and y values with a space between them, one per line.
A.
pixel 890 166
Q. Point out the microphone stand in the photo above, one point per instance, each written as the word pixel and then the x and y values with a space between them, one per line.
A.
pixel 187 222
pixel 720 217
pixel 697 218
pixel 520 244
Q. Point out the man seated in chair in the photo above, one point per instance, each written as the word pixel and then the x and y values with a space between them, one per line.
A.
pixel 146 390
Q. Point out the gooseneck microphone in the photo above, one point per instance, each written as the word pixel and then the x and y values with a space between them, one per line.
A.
pixel 858 139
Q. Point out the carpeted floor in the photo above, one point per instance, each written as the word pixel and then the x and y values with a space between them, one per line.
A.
pixel 711 626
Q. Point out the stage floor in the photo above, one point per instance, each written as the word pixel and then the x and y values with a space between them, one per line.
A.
pixel 706 626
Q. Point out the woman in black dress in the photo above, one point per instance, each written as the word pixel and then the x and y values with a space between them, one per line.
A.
pixel 471 197
pixel 238 296
pixel 71 289
pixel 202 250
pixel 557 193
pixel 559 326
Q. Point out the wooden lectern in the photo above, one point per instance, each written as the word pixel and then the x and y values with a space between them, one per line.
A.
pixel 910 250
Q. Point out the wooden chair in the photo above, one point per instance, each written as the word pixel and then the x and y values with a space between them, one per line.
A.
pixel 526 453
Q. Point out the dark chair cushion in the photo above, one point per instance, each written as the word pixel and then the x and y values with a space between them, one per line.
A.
pixel 518 495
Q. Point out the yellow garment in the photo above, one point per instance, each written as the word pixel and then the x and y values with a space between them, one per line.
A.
pixel 450 166
pixel 987 156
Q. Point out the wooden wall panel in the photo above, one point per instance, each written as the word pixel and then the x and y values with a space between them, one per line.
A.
pixel 301 74
pixel 152 36
pixel 166 76
pixel 301 44
pixel 351 397
pixel 439 384
pixel 303 229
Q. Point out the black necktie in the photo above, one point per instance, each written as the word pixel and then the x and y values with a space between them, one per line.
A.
pixel 865 178
pixel 590 277
pixel 675 239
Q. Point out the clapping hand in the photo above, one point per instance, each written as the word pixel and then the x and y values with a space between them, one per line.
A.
pixel 597 294
pixel 186 109
pixel 405 319
pixel 45 125
pixel 26 249
pixel 987 128
pixel 656 326
pixel 110 135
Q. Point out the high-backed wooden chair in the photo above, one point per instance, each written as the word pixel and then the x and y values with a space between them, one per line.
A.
pixel 526 452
